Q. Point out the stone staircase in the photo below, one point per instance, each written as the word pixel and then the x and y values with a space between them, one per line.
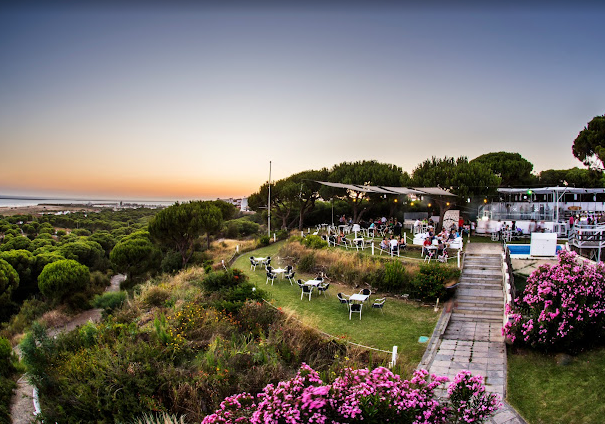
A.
pixel 479 294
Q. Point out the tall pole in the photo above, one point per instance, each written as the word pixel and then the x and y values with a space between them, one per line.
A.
pixel 269 205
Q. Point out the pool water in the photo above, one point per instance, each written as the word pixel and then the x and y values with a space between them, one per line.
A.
pixel 523 249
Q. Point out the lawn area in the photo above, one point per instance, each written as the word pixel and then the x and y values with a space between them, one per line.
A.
pixel 544 392
pixel 401 324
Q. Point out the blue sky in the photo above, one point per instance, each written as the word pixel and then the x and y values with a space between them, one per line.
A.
pixel 192 100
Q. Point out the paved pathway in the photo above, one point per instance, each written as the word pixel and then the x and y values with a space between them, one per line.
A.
pixel 469 333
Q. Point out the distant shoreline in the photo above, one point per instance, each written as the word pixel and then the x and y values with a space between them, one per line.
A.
pixel 45 208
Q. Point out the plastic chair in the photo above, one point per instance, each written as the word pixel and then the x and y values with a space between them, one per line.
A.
pixel 290 276
pixel 355 307
pixel 322 288
pixel 270 276
pixel 343 299
pixel 379 304
pixel 306 290
pixel 267 262
pixel 253 263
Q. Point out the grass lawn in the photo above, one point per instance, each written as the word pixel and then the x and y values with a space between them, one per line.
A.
pixel 544 392
pixel 401 324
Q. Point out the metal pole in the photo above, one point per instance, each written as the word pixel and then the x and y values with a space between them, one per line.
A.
pixel 269 205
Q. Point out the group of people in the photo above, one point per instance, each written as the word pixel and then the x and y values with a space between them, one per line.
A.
pixel 443 239
pixel 587 219
pixel 393 244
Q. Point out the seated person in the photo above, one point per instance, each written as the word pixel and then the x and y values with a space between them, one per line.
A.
pixel 440 247
pixel 384 245
pixel 401 243
pixel 453 235
pixel 394 243
pixel 426 245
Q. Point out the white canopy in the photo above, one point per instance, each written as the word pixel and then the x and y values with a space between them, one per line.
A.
pixel 434 191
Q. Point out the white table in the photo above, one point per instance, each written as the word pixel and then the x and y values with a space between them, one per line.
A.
pixel 260 259
pixel 281 271
pixel 313 283
pixel 359 297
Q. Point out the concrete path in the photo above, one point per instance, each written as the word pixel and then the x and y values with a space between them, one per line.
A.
pixel 468 335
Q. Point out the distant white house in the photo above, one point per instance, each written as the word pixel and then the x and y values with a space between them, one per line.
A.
pixel 241 203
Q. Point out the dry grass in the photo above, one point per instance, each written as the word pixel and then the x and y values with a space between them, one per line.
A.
pixel 224 249
pixel 54 318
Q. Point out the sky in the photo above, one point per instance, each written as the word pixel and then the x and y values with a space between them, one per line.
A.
pixel 192 100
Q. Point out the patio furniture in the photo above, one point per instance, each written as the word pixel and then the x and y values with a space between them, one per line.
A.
pixel 290 276
pixel 379 304
pixel 270 276
pixel 306 290
pixel 355 307
pixel 267 261
pixel 366 292
pixel 322 288
pixel 358 297
pixel 343 299
pixel 253 263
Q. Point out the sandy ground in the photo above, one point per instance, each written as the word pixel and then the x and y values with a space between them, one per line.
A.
pixel 22 407
pixel 40 209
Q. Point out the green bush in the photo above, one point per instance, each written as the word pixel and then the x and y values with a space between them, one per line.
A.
pixel 221 280
pixel 171 262
pixel 314 242
pixel 264 241
pixel 429 283
pixel 62 279
pixel 394 277
pixel 307 263
pixel 109 301
pixel 7 385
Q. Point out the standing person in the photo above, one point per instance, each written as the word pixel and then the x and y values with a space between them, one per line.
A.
pixel 460 223
pixel 397 228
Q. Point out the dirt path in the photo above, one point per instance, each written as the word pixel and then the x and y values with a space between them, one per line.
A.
pixel 22 405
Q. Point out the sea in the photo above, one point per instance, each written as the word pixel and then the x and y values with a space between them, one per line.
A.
pixel 19 201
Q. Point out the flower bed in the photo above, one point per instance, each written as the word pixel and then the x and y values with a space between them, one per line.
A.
pixel 375 396
pixel 562 307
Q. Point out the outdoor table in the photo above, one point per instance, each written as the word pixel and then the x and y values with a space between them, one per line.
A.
pixel 260 259
pixel 313 283
pixel 281 271
pixel 359 297
pixel 359 241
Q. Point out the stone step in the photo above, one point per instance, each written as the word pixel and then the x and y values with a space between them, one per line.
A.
pixel 471 300
pixel 476 317
pixel 478 309
pixel 479 294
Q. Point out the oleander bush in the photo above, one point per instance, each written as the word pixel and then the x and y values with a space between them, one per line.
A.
pixel 361 396
pixel 562 307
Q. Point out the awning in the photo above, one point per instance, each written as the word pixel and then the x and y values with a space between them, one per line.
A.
pixel 431 191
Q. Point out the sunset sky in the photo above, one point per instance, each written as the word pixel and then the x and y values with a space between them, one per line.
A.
pixel 191 100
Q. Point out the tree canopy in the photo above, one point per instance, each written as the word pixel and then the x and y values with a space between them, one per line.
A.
pixel 512 168
pixel 574 177
pixel 63 278
pixel 589 145
pixel 463 178
pixel 291 198
pixel 179 225
pixel 135 255
pixel 363 173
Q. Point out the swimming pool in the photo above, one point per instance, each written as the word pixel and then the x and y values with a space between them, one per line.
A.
pixel 522 250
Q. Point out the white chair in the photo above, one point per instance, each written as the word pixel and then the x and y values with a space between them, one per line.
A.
pixel 355 307
pixel 379 304
pixel 306 290
pixel 253 263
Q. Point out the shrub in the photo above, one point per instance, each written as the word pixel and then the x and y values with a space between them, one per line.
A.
pixel 171 262
pixel 314 242
pixel 562 307
pixel 362 395
pixel 7 385
pixel 63 278
pixel 264 241
pixel 109 301
pixel 429 283
pixel 307 263
pixel 393 278
pixel 155 296
pixel 221 280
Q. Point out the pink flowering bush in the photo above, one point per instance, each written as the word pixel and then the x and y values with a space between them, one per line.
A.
pixel 562 307
pixel 361 396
